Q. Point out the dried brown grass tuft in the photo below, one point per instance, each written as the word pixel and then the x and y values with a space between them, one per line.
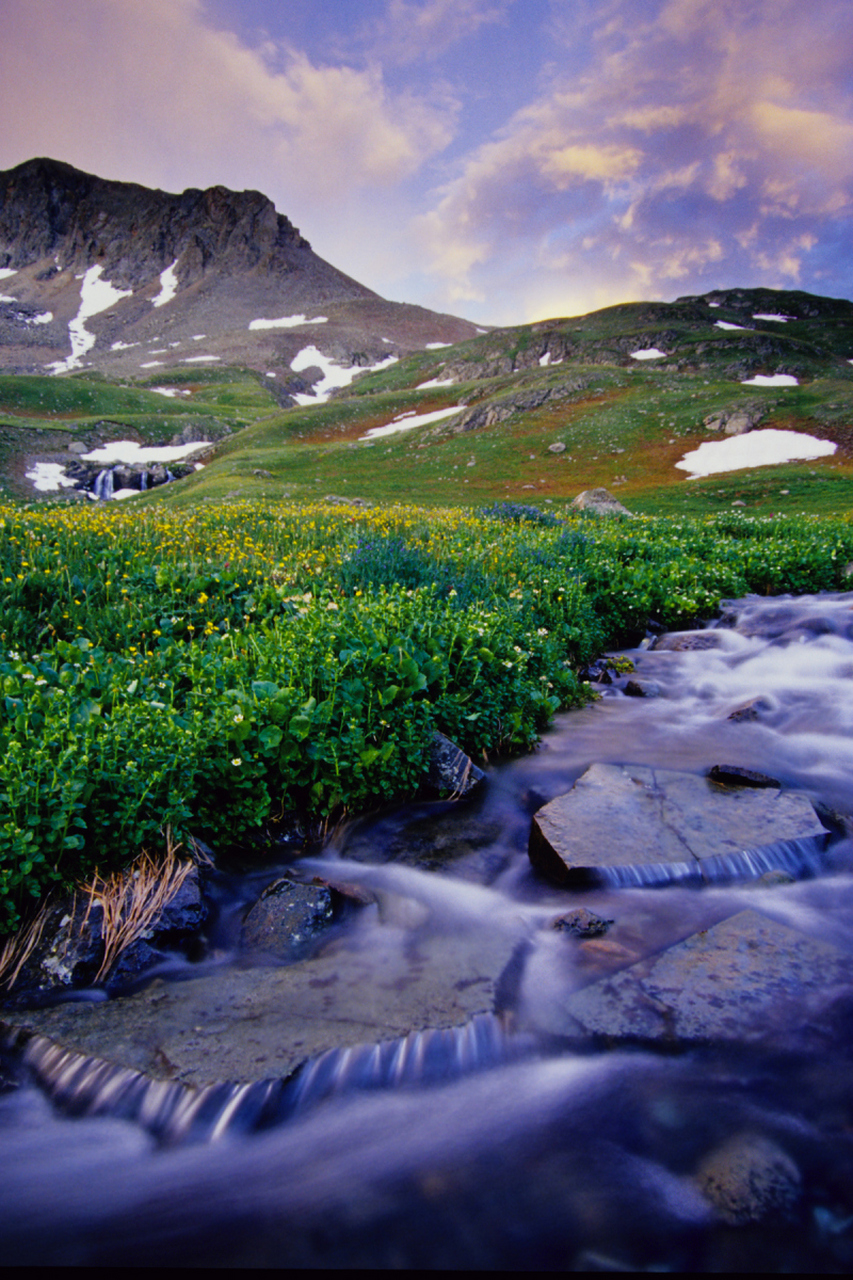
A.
pixel 132 900
pixel 19 947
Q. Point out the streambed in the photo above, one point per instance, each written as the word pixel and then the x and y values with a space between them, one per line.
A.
pixel 502 1137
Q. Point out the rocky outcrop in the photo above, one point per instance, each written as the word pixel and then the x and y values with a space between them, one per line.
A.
pixel 735 422
pixel 50 210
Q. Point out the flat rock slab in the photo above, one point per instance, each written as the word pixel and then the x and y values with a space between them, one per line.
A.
pixel 747 979
pixel 251 1024
pixel 661 824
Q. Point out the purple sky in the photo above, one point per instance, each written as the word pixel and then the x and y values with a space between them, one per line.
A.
pixel 505 160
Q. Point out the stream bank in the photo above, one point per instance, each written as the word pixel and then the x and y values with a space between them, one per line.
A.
pixel 478 1087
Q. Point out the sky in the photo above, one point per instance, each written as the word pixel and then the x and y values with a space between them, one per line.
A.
pixel 503 160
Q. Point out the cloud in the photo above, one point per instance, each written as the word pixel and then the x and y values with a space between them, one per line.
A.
pixel 148 90
pixel 411 31
pixel 698 141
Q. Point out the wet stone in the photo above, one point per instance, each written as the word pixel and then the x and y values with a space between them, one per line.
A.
pixel 451 773
pixel 636 825
pixel 748 979
pixel 681 641
pixel 582 923
pixel 642 689
pixel 750 1179
pixel 732 775
pixel 288 917
pixel 749 711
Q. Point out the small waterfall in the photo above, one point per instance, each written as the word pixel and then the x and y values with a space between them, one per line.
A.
pixel 797 857
pixel 143 481
pixel 104 482
pixel 178 1113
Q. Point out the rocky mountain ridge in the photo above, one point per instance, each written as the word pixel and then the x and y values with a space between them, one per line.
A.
pixel 148 273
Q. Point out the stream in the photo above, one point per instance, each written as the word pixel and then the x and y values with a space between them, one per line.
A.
pixel 493 1139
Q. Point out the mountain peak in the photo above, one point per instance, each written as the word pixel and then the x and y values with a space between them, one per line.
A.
pixel 214 262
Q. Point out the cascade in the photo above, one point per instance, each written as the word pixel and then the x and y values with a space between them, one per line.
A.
pixel 104 485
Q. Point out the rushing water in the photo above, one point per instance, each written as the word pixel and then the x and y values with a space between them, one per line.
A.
pixel 496 1144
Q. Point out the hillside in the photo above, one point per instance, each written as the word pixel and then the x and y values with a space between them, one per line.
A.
pixel 138 315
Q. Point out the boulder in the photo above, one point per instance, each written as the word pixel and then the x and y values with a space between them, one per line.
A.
pixel 625 824
pixel 600 502
pixel 288 917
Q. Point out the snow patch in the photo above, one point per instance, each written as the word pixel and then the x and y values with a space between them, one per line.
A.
pixel 152 364
pixel 287 322
pixel 44 318
pixel 96 295
pixel 123 346
pixel 334 376
pixel 47 477
pixel 772 315
pixel 5 297
pixel 5 272
pixel 168 286
pixel 405 421
pixel 435 346
pixel 199 359
pixel 724 324
pixel 197 337
pixel 648 353
pixel 545 360
pixel 763 448
pixel 129 451
pixel 771 380
pixel 171 392
pixel 436 382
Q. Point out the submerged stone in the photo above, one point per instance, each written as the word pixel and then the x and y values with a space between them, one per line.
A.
pixel 625 824
pixel 750 1179
pixel 260 1023
pixel 747 979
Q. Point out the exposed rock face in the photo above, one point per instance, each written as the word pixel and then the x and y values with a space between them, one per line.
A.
pixel 49 210
pixel 258 1023
pixel 638 825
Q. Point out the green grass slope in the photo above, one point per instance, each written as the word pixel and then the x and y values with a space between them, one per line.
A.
pixel 548 410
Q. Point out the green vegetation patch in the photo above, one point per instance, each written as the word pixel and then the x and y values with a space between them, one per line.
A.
pixel 216 671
